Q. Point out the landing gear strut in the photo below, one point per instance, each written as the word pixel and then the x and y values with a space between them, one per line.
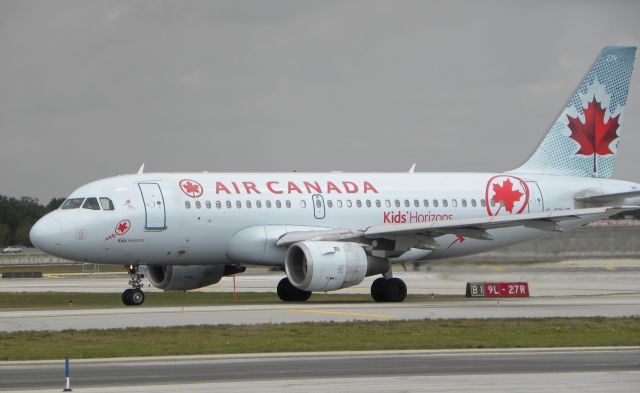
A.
pixel 288 293
pixel 134 295
pixel 388 290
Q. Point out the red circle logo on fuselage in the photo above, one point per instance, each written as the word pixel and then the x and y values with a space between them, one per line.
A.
pixel 506 194
pixel 122 227
pixel 191 188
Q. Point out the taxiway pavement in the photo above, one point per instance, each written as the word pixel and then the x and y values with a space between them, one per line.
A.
pixel 123 317
pixel 553 370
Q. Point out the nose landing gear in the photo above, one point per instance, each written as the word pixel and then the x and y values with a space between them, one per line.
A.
pixel 134 295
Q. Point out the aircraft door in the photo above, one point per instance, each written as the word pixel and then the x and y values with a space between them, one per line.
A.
pixel 154 207
pixel 318 206
pixel 536 202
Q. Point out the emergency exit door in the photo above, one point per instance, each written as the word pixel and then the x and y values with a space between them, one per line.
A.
pixel 154 208
pixel 318 206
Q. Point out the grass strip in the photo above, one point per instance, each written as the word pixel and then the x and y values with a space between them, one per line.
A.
pixel 22 300
pixel 418 334
pixel 70 268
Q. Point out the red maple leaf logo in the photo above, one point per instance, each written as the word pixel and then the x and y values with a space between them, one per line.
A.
pixel 594 135
pixel 191 188
pixel 122 227
pixel 506 195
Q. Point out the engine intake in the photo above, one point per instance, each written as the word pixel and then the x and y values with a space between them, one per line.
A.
pixel 328 266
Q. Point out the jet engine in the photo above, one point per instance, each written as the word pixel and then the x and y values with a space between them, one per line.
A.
pixel 328 266
pixel 184 278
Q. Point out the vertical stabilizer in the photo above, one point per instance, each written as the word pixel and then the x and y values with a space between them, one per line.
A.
pixel 583 140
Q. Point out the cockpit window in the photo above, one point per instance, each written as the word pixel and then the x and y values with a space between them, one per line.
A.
pixel 72 203
pixel 91 203
pixel 106 204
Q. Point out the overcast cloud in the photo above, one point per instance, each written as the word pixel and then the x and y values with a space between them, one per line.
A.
pixel 91 89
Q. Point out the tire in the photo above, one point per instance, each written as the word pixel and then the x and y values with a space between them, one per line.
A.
pixel 125 296
pixel 288 293
pixel 136 297
pixel 395 290
pixel 377 289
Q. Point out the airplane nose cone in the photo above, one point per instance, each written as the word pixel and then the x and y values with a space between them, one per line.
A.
pixel 46 234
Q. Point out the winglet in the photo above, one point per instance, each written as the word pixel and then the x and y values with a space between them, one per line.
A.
pixel 413 168
pixel 141 170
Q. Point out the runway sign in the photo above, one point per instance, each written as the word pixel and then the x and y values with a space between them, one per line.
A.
pixel 497 289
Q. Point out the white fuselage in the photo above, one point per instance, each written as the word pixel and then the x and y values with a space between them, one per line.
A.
pixel 190 218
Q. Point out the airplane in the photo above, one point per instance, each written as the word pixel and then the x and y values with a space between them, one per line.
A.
pixel 329 231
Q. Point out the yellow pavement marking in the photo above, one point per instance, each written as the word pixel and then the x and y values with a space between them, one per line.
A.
pixel 348 314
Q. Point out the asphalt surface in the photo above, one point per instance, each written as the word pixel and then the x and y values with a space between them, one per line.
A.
pixel 254 368
pixel 61 319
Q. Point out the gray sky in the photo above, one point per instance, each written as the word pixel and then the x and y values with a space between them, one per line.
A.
pixel 90 89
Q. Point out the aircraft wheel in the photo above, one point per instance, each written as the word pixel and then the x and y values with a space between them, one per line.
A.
pixel 394 290
pixel 136 297
pixel 377 289
pixel 125 296
pixel 288 293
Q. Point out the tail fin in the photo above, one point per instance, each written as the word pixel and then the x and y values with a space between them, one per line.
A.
pixel 583 141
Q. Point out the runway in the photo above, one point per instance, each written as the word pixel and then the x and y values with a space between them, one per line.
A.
pixel 61 319
pixel 610 369
pixel 574 277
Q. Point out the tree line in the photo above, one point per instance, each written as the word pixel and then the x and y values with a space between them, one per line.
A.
pixel 17 216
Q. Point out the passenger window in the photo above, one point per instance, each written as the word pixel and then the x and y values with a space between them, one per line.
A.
pixel 435 203
pixel 239 204
pixel 91 204
pixel 208 204
pixel 378 204
pixel 358 203
pixel 493 204
pixel 268 204
pixel 416 203
pixel 278 204
pixel 228 204
pixel 287 203
pixel 218 205
pixel 339 203
pixel 483 203
pixel 330 203
pixel 445 203
pixel 248 204
pixel 198 205
pixel 303 204
pixel 73 203
pixel 349 203
pixel 187 204
pixel 454 202
pixel 397 203
pixel 368 203
pixel 425 203
pixel 473 203
pixel 258 204
pixel 407 203
pixel 387 203
pixel 106 204
pixel 464 203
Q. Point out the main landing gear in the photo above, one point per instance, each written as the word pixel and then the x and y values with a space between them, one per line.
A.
pixel 390 289
pixel 134 295
pixel 288 293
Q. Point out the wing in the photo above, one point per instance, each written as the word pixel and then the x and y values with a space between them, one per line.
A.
pixel 469 227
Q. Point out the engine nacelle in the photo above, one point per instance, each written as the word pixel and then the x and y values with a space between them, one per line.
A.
pixel 184 278
pixel 328 266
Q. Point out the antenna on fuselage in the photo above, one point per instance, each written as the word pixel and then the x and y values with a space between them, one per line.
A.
pixel 413 168
pixel 141 170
